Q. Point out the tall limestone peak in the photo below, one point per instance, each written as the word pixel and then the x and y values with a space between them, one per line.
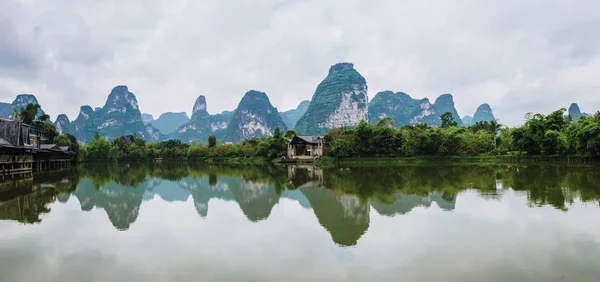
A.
pixel 483 113
pixel 120 116
pixel 121 100
pixel 340 100
pixel 147 118
pixel 83 126
pixel 254 117
pixel 340 67
pixel 443 104
pixel 24 99
pixel 63 124
pixel 574 111
pixel 199 106
pixel 399 106
pixel 85 112
pixel 200 126
pixel 21 101
pixel 292 116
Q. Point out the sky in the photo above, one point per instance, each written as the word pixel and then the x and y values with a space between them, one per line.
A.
pixel 518 56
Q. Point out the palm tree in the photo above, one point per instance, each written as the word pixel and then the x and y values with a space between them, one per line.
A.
pixel 28 114
pixel 495 126
pixel 44 118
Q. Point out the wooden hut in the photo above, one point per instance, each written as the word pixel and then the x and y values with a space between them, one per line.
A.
pixel 305 147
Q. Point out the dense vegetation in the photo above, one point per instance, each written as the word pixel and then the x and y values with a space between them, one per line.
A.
pixel 136 148
pixel 547 135
pixel 33 114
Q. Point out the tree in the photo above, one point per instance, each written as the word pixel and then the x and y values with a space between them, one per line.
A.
pixel 290 134
pixel 28 113
pixel 67 140
pixel 277 133
pixel 386 121
pixel 99 149
pixel 448 120
pixel 495 126
pixel 62 140
pixel 364 137
pixel 212 141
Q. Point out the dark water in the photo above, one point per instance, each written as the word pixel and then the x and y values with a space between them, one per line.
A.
pixel 414 223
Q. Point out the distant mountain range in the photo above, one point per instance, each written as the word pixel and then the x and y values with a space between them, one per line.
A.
pixel 340 100
pixel 166 123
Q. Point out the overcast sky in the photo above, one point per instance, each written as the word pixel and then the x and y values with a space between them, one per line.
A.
pixel 517 55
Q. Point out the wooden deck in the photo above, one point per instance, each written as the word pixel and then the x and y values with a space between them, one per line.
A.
pixel 22 161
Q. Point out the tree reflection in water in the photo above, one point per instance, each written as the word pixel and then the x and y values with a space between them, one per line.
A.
pixel 341 198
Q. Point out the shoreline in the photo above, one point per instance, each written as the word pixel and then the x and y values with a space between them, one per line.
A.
pixel 371 161
pixel 433 160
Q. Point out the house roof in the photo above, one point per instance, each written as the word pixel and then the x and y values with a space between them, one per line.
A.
pixel 11 132
pixel 47 146
pixel 306 139
pixel 4 141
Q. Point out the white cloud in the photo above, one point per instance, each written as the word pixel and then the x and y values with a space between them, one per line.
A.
pixel 518 56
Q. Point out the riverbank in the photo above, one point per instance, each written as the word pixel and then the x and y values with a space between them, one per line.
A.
pixel 421 160
pixel 221 161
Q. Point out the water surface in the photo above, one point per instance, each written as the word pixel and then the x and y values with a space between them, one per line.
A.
pixel 194 223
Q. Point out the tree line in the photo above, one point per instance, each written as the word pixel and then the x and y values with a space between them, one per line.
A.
pixel 134 147
pixel 555 134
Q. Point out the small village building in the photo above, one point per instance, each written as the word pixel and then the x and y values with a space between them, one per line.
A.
pixel 24 148
pixel 305 147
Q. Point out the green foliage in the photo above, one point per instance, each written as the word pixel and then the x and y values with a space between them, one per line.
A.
pixel 585 135
pixel 448 120
pixel 368 140
pixel 99 149
pixel 386 121
pixel 67 140
pixel 543 135
pixel 32 114
pixel 290 134
pixel 277 133
pixel 28 113
pixel 135 148
pixel 212 141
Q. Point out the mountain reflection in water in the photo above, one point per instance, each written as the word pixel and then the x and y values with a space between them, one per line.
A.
pixel 341 198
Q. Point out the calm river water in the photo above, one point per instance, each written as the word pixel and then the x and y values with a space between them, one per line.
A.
pixel 403 223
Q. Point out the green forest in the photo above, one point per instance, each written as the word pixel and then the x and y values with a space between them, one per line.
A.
pixel 555 134
pixel 256 150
